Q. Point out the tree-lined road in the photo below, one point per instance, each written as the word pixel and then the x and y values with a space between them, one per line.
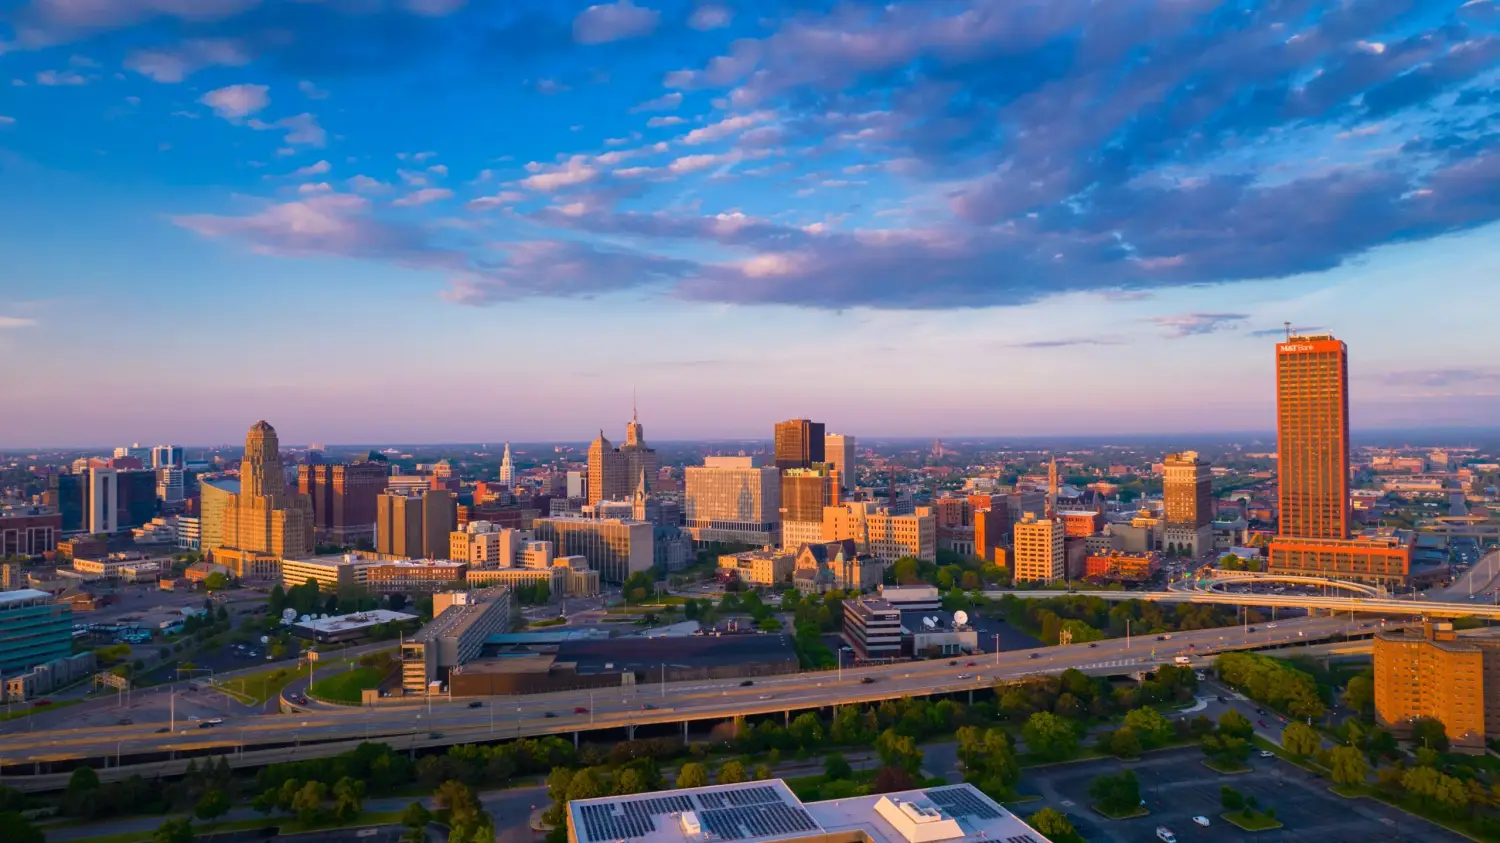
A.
pixel 262 739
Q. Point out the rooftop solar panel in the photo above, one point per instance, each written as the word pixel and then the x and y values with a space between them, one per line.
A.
pixel 960 802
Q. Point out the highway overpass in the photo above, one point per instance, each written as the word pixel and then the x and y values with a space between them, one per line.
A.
pixel 1392 607
pixel 40 760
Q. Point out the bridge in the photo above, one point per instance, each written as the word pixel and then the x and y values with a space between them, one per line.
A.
pixel 1369 605
pixel 42 760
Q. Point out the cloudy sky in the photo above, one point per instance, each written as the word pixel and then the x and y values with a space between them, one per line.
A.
pixel 440 220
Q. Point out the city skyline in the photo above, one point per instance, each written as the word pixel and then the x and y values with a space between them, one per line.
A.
pixel 1009 219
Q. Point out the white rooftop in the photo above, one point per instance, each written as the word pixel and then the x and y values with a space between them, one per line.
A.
pixel 21 594
pixel 355 621
pixel 762 811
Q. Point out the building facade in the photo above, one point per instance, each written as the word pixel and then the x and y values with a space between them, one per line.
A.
pixel 29 530
pixel 265 520
pixel 34 629
pixel 878 532
pixel 1188 503
pixel 462 622
pixel 420 576
pixel 1038 553
pixel 730 499
pixel 616 548
pixel 1430 672
pixel 343 499
pixel 838 452
pixel 1312 440
pixel 799 443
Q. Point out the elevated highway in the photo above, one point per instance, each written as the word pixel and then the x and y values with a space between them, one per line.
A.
pixel 40 760
pixel 1388 606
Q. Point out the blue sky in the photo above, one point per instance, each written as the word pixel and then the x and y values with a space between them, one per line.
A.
pixel 438 220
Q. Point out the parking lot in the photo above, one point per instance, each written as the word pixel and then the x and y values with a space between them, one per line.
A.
pixel 1176 787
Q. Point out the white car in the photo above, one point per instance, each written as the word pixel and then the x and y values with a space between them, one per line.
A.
pixel 1203 821
pixel 1266 753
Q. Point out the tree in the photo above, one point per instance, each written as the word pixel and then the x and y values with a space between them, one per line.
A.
pixel 629 781
pixel 1150 726
pixel 1234 724
pixel 899 751
pixel 1054 825
pixel 1116 794
pixel 83 779
pixel 348 798
pixel 1348 765
pixel 216 582
pixel 211 805
pixel 1299 739
pixel 732 772
pixel 1231 799
pixel 835 768
pixel 1359 694
pixel 171 831
pixel 692 774
pixel 1049 736
pixel 415 817
pixel 307 804
pixel 1430 732
pixel 1435 789
pixel 1123 743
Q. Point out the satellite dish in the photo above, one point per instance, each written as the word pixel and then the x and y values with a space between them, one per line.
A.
pixel 324 616
pixel 960 617
pixel 288 614
pixel 306 618
pixel 265 640
pixel 929 623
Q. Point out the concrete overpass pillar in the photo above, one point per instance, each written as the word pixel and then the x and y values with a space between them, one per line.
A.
pixel 575 741
pixel 684 732
pixel 971 696
pixel 631 730
pixel 786 718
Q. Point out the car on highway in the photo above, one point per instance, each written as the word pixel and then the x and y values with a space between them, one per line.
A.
pixel 1034 655
pixel 970 664
pixel 432 736
pixel 1093 644
pixel 549 714
pixel 578 709
pixel 1161 638
pixel 963 676
pixel 953 664
pixel 647 707
pixel 163 730
pixel 765 696
pixel 747 683
pixel 867 680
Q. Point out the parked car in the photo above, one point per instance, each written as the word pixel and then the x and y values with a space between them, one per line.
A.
pixel 1266 753
pixel 1203 821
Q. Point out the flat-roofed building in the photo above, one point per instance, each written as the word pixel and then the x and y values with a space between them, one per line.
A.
pixel 879 532
pixel 464 621
pixel 415 576
pixel 29 530
pixel 616 548
pixel 838 451
pixel 758 567
pixel 330 572
pixel 1429 671
pixel 1123 567
pixel 730 499
pixel 482 544
pixel 34 629
pixel 1039 552
pixel 555 578
pixel 765 811
pixel 872 629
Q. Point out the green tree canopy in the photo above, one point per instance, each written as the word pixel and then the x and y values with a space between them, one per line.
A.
pixel 1049 736
pixel 1116 794
pixel 692 774
pixel 1299 739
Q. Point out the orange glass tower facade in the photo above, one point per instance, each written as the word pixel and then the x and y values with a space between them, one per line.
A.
pixel 1312 437
pixel 1312 443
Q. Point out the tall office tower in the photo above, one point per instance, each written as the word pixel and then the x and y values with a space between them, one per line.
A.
pixel 103 501
pixel 1312 439
pixel 799 443
pixel 343 499
pixel 640 460
pixel 217 496
pixel 1039 550
pixel 838 449
pixel 166 456
pixel 169 484
pixel 607 472
pixel 137 497
pixel 1188 496
pixel 731 499
pixel 577 484
pixel 398 525
pixel 507 468
pixel 804 494
pixel 439 519
pixel 267 522
pixel 69 493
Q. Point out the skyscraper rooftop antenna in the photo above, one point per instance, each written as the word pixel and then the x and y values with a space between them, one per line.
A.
pixel 1288 329
pixel 634 406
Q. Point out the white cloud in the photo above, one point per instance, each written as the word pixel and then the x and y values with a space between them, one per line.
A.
pixel 172 65
pixel 300 129
pixel 439 169
pixel 236 102
pixel 694 163
pixel 317 169
pixel 725 128
pixel 673 120
pixel 504 197
pixel 57 78
pixel 710 16
pixel 607 22
pixel 315 187
pixel 311 91
pixel 665 102
pixel 424 196
pixel 363 182
pixel 16 322
pixel 575 172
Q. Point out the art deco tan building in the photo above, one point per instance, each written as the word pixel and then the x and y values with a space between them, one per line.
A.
pixel 1039 550
pixel 1431 672
pixel 615 472
pixel 1188 498
pixel 265 523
